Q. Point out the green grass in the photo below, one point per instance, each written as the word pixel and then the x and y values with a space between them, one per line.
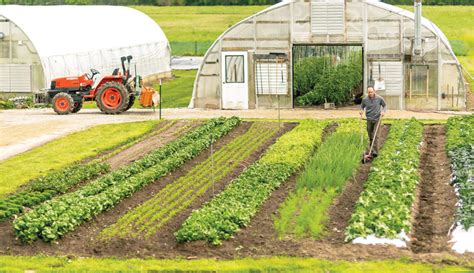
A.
pixel 190 48
pixel 190 24
pixel 197 23
pixel 61 152
pixel 274 264
pixel 178 91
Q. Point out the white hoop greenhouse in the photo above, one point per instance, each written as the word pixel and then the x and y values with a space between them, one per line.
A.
pixel 252 64
pixel 39 43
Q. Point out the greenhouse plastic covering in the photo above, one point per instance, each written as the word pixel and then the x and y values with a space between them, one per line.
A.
pixel 70 40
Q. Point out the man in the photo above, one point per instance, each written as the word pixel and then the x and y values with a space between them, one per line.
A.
pixel 374 106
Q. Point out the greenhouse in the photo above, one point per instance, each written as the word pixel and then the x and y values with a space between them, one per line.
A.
pixel 39 43
pixel 302 53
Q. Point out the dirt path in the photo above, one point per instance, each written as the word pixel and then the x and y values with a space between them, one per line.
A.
pixel 342 208
pixel 163 135
pixel 437 200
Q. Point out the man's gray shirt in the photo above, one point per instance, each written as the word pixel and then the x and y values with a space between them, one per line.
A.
pixel 373 107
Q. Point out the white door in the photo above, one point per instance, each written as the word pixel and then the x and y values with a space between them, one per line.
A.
pixel 235 93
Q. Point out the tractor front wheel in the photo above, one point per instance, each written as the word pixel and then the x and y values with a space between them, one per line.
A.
pixel 112 98
pixel 63 103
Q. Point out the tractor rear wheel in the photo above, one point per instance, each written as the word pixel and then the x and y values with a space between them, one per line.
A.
pixel 77 107
pixel 63 103
pixel 112 98
pixel 131 102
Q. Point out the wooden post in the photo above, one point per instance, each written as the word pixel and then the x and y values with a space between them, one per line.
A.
pixel 160 99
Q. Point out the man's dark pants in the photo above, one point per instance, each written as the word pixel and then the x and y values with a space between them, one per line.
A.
pixel 371 127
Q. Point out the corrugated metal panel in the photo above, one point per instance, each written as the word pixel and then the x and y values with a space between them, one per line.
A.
pixel 327 17
pixel 271 78
pixel 392 73
pixel 15 78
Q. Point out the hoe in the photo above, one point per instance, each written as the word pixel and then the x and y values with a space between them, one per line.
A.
pixel 367 157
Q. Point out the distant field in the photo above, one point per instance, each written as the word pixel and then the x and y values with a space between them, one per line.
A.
pixel 202 24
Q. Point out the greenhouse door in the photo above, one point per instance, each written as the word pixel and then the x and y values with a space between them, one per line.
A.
pixel 235 93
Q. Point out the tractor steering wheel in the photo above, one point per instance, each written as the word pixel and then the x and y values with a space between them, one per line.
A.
pixel 94 72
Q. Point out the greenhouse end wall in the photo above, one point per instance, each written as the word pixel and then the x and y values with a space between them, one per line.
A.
pixel 432 81
pixel 34 48
pixel 20 66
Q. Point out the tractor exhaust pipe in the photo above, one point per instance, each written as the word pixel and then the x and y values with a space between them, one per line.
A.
pixel 129 58
pixel 123 59
pixel 417 47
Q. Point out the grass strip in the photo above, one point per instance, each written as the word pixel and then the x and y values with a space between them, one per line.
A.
pixel 271 264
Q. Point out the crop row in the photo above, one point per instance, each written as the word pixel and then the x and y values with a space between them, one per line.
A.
pixel 234 207
pixel 175 197
pixel 305 211
pixel 45 187
pixel 384 207
pixel 460 146
pixel 55 218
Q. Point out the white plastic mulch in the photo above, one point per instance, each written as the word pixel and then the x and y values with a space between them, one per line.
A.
pixel 463 240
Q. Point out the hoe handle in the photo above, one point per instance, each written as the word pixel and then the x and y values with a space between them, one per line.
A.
pixel 375 135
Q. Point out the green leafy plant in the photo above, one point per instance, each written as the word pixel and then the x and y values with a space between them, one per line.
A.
pixel 460 146
pixel 384 207
pixel 45 187
pixel 54 218
pixel 317 81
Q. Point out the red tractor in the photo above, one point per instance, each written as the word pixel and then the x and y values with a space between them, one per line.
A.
pixel 113 94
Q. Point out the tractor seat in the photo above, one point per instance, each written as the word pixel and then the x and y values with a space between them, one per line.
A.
pixel 116 71
pixel 97 80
